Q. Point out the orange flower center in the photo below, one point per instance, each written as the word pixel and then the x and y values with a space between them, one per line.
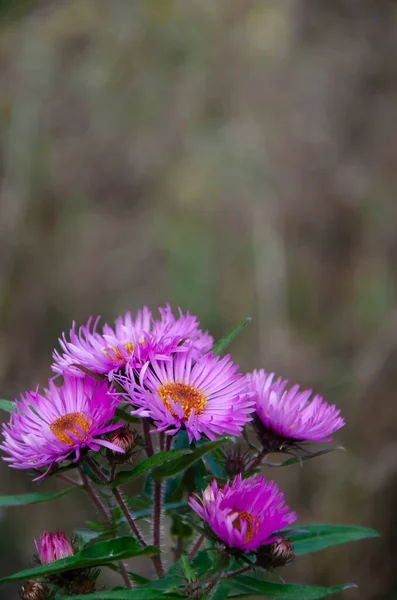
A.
pixel 252 524
pixel 114 353
pixel 75 423
pixel 186 395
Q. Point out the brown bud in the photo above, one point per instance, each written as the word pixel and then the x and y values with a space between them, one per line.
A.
pixel 34 590
pixel 277 554
pixel 235 461
pixel 124 439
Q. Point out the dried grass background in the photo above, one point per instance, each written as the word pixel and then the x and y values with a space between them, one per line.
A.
pixel 236 158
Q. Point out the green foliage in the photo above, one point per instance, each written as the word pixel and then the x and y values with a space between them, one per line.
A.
pixel 6 405
pixel 146 465
pixel 222 345
pixel 98 554
pixel 34 498
pixel 313 538
pixel 254 587
pixel 177 465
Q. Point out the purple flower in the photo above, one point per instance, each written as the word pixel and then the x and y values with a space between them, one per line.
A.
pixel 244 515
pixel 53 546
pixel 207 397
pixel 105 352
pixel 131 342
pixel 45 429
pixel 287 416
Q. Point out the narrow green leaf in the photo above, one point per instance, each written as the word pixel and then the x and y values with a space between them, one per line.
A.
pixel 97 554
pixel 301 459
pixel 35 498
pixel 146 465
pixel 313 538
pixel 179 464
pixel 220 346
pixel 254 587
pixel 138 594
pixel 6 405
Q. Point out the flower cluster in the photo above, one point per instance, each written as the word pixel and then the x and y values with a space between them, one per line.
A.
pixel 167 374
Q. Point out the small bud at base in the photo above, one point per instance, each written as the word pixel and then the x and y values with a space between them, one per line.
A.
pixel 34 590
pixel 277 554
pixel 123 439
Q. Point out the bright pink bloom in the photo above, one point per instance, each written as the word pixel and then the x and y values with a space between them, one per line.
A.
pixel 53 546
pixel 45 429
pixel 206 397
pixel 244 515
pixel 289 414
pixel 130 342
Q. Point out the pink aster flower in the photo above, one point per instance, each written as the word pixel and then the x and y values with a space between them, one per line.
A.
pixel 245 514
pixel 130 342
pixel 285 417
pixel 46 429
pixel 207 397
pixel 102 352
pixel 53 546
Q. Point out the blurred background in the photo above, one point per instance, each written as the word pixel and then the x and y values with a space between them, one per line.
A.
pixel 235 158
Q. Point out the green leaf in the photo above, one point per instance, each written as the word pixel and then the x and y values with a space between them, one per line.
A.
pixel 138 594
pixel 146 465
pixel 180 464
pixel 6 405
pixel 220 346
pixel 254 587
pixel 35 498
pixel 301 459
pixel 318 537
pixel 97 554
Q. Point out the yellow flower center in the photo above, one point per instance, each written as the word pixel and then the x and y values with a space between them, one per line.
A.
pixel 187 396
pixel 252 524
pixel 75 423
pixel 114 353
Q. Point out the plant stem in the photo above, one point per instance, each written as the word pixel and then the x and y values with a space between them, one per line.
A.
pixel 157 512
pixel 257 460
pixel 128 518
pixel 119 500
pixel 168 442
pixel 238 572
pixel 68 480
pixel 95 499
pixel 102 509
pixel 196 547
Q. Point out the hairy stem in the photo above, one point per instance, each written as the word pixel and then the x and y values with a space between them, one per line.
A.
pixel 119 500
pixel 256 462
pixel 196 547
pixel 103 511
pixel 157 513
pixel 237 572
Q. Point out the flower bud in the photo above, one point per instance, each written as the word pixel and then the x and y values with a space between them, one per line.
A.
pixel 81 581
pixel 53 546
pixel 235 461
pixel 34 590
pixel 124 439
pixel 277 554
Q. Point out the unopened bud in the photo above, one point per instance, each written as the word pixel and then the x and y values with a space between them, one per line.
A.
pixel 82 582
pixel 125 440
pixel 34 590
pixel 235 462
pixel 53 546
pixel 277 554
